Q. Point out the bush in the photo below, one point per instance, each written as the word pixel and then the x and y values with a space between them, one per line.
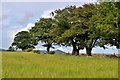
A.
pixel 28 50
pixel 11 48
pixel 67 53
pixel 51 52
pixel 36 51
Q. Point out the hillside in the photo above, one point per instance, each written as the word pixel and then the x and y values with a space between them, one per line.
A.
pixel 29 65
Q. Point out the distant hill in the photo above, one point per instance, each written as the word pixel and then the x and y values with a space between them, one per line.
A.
pixel 58 51
pixel 43 51
pixel 2 49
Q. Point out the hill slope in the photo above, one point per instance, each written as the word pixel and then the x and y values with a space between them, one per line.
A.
pixel 29 65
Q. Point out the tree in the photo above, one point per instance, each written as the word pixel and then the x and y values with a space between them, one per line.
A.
pixel 87 26
pixel 64 35
pixel 41 32
pixel 23 40
pixel 108 23
pixel 89 36
pixel 81 28
pixel 75 27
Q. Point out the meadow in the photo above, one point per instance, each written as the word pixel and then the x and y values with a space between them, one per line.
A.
pixel 30 65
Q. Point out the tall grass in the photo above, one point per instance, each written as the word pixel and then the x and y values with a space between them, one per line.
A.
pixel 0 65
pixel 29 65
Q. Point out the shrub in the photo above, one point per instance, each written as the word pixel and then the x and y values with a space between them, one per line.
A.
pixel 28 50
pixel 11 48
pixel 36 51
pixel 51 52
pixel 67 53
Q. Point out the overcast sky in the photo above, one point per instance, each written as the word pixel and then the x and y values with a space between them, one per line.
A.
pixel 19 16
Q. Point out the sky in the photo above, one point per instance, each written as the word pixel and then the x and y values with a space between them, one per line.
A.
pixel 21 16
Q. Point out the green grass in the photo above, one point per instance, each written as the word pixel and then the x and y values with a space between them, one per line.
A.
pixel 29 65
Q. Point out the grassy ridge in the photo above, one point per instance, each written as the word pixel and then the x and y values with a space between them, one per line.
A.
pixel 28 65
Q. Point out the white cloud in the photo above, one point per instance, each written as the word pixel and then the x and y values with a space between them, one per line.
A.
pixel 65 49
pixel 60 48
pixel 83 51
pixel 46 14
pixel 29 26
pixel 39 46
pixel 110 49
pixel 10 34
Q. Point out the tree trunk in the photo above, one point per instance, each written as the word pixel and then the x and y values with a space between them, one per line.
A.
pixel 77 52
pixel 88 51
pixel 48 49
pixel 74 48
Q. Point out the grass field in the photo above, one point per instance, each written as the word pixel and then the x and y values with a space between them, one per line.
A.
pixel 29 65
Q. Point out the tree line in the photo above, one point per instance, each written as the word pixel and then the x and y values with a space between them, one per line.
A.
pixel 86 26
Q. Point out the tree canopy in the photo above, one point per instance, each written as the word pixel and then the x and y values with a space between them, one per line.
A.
pixel 23 40
pixel 41 32
pixel 81 27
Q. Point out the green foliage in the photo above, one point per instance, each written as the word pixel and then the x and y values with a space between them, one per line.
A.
pixel 41 32
pixel 23 40
pixel 28 50
pixel 36 51
pixel 51 52
pixel 81 27
pixel 108 23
